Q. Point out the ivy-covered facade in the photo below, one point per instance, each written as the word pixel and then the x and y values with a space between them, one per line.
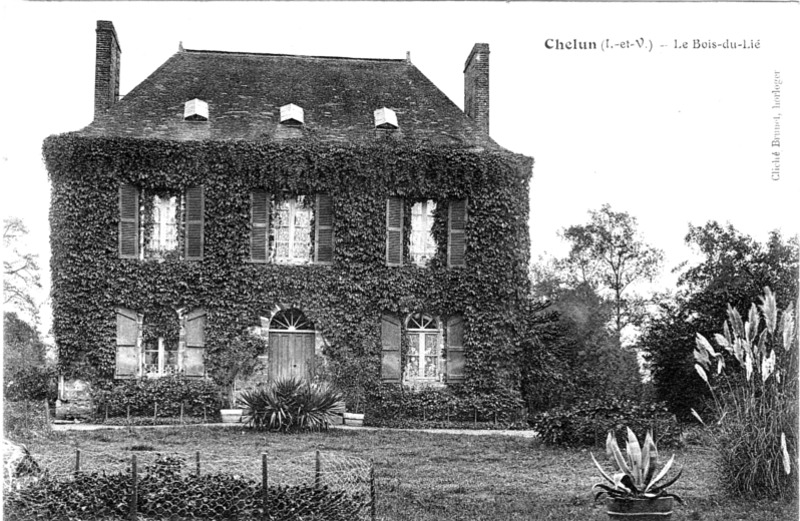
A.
pixel 327 243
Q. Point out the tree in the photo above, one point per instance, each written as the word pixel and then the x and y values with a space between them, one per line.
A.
pixel 20 270
pixel 580 340
pixel 734 270
pixel 609 255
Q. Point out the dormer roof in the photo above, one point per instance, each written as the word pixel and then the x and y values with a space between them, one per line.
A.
pixel 339 97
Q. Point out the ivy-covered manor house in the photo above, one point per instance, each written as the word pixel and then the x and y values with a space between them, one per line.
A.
pixel 319 215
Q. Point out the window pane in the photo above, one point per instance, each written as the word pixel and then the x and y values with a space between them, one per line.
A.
pixel 163 225
pixel 423 247
pixel 412 370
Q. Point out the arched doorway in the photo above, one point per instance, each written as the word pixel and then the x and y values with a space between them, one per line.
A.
pixel 291 345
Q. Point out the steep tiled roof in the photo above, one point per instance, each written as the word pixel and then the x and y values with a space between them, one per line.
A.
pixel 246 91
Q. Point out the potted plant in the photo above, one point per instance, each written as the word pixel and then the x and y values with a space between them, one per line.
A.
pixel 636 491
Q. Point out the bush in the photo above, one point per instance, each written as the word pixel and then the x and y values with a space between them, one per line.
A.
pixel 198 396
pixel 755 401
pixel 389 404
pixel 20 419
pixel 31 383
pixel 164 491
pixel 292 405
pixel 587 423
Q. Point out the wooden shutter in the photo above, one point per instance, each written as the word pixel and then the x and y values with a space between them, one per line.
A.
pixel 457 236
pixel 193 358
pixel 194 223
pixel 259 225
pixel 128 222
pixel 324 231
pixel 390 349
pixel 455 350
pixel 394 231
pixel 127 358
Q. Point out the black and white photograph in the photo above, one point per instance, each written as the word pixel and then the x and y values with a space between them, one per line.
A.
pixel 396 260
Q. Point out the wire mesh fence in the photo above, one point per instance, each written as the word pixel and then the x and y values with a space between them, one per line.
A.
pixel 79 485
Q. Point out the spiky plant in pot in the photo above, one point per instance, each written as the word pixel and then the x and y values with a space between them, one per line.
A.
pixel 638 490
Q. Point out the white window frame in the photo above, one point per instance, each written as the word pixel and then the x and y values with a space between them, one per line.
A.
pixel 424 209
pixel 161 360
pixel 293 204
pixel 420 334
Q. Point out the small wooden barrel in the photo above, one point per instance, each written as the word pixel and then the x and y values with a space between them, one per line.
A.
pixel 658 509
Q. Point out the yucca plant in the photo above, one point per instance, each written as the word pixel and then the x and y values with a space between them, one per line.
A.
pixel 292 404
pixel 637 476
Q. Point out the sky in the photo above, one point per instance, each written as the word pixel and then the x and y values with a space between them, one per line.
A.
pixel 671 135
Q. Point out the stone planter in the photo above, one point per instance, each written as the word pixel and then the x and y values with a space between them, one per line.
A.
pixel 639 509
pixel 353 419
pixel 231 415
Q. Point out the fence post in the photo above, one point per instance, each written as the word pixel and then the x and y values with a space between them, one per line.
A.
pixel 27 415
pixel 197 460
pixel 181 412
pixel 205 419
pixel 134 489
pixel 155 412
pixel 77 461
pixel 475 415
pixel 106 404
pixel 317 470
pixel 47 413
pixel 372 495
pixel 264 486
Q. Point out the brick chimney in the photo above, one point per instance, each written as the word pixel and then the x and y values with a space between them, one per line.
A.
pixel 106 71
pixel 476 86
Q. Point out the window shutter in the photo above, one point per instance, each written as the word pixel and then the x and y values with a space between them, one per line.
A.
pixel 455 350
pixel 324 232
pixel 127 358
pixel 259 225
pixel 390 349
pixel 193 359
pixel 194 223
pixel 457 236
pixel 128 222
pixel 394 231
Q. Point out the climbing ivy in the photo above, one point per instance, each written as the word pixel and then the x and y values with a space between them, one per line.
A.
pixel 345 300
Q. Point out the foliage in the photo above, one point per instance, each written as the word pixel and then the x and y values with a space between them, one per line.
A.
pixel 608 253
pixel 24 419
pixel 755 400
pixel 165 490
pixel 344 300
pixel 589 360
pixel 199 397
pixel 31 383
pixel 638 477
pixel 20 270
pixel 291 405
pixel 389 405
pixel 734 270
pixel 583 423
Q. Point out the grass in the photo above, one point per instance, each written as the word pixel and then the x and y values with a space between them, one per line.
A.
pixel 436 476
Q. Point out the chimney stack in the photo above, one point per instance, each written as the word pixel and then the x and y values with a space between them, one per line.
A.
pixel 106 72
pixel 476 86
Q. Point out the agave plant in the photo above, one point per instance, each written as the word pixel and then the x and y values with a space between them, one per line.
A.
pixel 638 476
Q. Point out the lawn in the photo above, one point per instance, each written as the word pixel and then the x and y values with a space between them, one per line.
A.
pixel 431 476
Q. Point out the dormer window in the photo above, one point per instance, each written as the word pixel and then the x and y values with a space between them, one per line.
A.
pixel 195 110
pixel 386 119
pixel 291 114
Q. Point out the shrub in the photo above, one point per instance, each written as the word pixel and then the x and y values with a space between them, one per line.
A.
pixel 164 491
pixel 755 401
pixel 20 419
pixel 586 423
pixel 198 396
pixel 31 383
pixel 292 405
pixel 389 404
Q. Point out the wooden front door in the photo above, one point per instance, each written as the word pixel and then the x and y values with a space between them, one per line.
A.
pixel 291 355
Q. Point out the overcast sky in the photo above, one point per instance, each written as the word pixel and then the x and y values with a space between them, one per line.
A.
pixel 671 136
